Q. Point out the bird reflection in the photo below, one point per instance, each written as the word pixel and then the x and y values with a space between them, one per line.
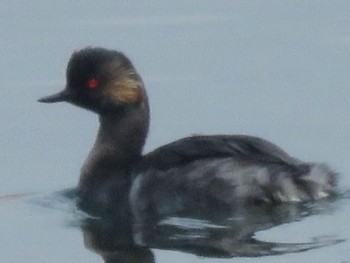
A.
pixel 219 235
pixel 111 238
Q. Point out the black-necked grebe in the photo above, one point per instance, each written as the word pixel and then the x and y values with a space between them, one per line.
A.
pixel 198 171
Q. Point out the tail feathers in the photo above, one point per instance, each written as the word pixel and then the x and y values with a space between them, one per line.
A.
pixel 319 182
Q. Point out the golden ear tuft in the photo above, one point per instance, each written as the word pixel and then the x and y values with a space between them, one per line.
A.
pixel 126 87
pixel 126 91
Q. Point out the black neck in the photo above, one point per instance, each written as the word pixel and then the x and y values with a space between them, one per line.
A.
pixel 106 175
pixel 120 140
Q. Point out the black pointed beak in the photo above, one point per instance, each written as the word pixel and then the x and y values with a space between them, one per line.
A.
pixel 63 95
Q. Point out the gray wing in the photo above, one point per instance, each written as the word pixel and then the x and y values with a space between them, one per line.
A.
pixel 177 177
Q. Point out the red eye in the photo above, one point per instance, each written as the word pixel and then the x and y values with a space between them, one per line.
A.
pixel 92 83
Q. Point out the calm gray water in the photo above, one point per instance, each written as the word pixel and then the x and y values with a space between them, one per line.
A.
pixel 274 69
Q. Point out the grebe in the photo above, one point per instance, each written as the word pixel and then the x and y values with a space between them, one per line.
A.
pixel 195 172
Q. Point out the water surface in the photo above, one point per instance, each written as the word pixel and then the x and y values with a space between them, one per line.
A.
pixel 274 69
